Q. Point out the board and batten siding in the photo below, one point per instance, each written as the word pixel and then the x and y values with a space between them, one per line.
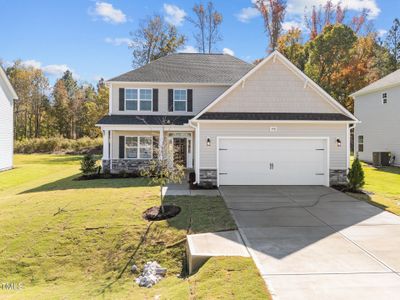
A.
pixel 6 128
pixel 380 123
pixel 202 96
pixel 274 88
pixel 208 154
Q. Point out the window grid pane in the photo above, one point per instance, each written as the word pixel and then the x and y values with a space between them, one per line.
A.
pixel 179 105
pixel 131 104
pixel 145 105
pixel 131 94
pixel 145 94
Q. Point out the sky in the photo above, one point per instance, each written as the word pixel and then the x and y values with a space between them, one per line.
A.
pixel 91 38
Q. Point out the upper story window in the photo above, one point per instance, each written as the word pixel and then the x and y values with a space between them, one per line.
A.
pixel 138 99
pixel 180 100
pixel 384 98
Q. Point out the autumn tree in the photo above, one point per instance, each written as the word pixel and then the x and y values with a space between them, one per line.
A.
pixel 31 87
pixel 207 21
pixel 328 54
pixel 290 45
pixel 273 13
pixel 153 39
pixel 61 108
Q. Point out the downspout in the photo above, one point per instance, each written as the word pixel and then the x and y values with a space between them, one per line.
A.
pixel 197 153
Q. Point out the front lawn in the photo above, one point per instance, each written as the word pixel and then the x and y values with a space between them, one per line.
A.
pixel 67 239
pixel 383 187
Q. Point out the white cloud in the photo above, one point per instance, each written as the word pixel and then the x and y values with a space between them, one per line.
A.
pixel 108 13
pixel 174 15
pixel 296 7
pixel 382 33
pixel 290 24
pixel 52 70
pixel 228 51
pixel 188 49
pixel 118 41
pixel 247 13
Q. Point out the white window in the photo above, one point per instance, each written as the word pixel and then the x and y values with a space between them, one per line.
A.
pixel 384 98
pixel 360 143
pixel 180 100
pixel 139 147
pixel 139 99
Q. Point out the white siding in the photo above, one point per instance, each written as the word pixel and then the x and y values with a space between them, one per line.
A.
pixel 202 96
pixel 338 155
pixel 274 88
pixel 6 128
pixel 380 123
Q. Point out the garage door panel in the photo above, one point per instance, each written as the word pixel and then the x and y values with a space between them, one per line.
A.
pixel 272 161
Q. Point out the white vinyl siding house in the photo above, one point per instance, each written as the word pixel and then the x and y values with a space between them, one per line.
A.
pixel 7 97
pixel 270 125
pixel 377 106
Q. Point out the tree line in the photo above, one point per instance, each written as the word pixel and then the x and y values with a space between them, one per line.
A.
pixel 340 52
pixel 68 109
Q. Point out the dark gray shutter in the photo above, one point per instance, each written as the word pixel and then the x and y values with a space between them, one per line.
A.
pixel 121 146
pixel 155 146
pixel 155 99
pixel 190 100
pixel 170 100
pixel 122 99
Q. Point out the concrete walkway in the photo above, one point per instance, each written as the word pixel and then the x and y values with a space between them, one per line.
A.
pixel 313 242
pixel 182 189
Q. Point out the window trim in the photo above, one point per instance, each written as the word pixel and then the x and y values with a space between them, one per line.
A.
pixel 384 98
pixel 360 143
pixel 139 137
pixel 138 99
pixel 185 101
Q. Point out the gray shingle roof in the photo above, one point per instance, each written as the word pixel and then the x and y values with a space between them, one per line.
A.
pixel 275 116
pixel 144 120
pixel 190 68
pixel 389 80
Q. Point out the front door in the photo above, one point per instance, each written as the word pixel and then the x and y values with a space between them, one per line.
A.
pixel 180 152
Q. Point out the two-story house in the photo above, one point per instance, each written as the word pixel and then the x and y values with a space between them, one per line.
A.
pixel 7 97
pixel 232 122
pixel 377 106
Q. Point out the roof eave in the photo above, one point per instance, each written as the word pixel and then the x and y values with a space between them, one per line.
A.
pixel 366 92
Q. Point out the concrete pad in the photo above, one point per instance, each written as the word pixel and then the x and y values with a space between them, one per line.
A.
pixel 351 213
pixel 294 250
pixel 286 216
pixel 167 191
pixel 334 286
pixel 258 206
pixel 201 247
pixel 382 241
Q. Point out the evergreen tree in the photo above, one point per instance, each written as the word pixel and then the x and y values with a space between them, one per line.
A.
pixel 356 176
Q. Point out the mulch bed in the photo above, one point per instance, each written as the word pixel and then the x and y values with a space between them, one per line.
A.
pixel 155 214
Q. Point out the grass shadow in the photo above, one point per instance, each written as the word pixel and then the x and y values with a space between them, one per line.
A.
pixel 367 198
pixel 391 170
pixel 69 183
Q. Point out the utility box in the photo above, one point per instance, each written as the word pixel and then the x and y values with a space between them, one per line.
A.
pixel 381 159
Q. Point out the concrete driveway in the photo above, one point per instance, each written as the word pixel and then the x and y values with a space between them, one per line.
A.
pixel 313 242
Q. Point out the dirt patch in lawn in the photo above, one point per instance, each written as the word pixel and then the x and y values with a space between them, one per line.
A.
pixel 158 213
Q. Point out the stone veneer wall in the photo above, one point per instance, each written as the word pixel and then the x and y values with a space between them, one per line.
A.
pixel 209 176
pixel 128 165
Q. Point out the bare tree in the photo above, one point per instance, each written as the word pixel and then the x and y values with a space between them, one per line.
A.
pixel 153 39
pixel 207 21
pixel 273 13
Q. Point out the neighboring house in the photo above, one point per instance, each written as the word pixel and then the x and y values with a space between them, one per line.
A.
pixel 377 106
pixel 232 122
pixel 7 97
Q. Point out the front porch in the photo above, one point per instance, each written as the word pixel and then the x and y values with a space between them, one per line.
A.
pixel 130 150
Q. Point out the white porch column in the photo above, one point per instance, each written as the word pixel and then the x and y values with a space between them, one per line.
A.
pixel 161 143
pixel 106 144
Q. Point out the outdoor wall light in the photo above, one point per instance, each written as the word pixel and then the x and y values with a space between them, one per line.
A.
pixel 208 142
pixel 338 142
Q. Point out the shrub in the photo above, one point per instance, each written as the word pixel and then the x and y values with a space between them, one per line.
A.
pixel 356 176
pixel 56 144
pixel 88 164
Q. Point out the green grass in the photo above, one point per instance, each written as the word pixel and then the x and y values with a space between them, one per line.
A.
pixel 67 239
pixel 383 187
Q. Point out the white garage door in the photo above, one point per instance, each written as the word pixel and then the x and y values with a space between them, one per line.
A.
pixel 266 161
